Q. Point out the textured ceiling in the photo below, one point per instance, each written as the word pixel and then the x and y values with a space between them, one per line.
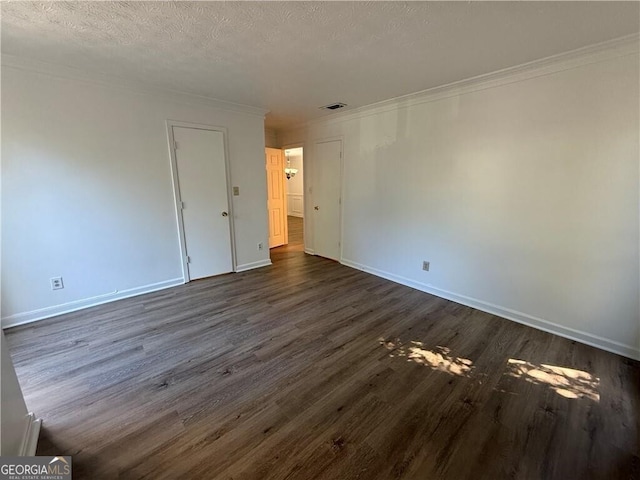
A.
pixel 292 57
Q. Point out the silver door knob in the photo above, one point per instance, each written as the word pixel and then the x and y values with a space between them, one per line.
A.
pixel 225 214
pixel 316 208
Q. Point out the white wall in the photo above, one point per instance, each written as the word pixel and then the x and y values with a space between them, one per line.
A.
pixel 522 194
pixel 270 138
pixel 87 193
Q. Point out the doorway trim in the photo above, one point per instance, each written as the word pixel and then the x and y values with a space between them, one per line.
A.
pixel 176 190
pixel 305 194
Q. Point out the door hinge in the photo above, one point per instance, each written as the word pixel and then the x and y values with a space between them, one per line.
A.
pixel 182 205
pixel 188 259
pixel 175 145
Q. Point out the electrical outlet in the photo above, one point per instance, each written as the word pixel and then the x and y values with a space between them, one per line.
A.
pixel 260 246
pixel 425 266
pixel 56 283
pixel 236 191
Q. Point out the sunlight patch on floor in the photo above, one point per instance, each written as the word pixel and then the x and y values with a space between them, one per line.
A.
pixel 567 382
pixel 438 358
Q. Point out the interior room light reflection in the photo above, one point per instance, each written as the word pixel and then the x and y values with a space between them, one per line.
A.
pixel 566 382
pixel 439 358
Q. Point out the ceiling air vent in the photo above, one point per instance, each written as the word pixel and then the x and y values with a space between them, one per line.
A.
pixel 334 106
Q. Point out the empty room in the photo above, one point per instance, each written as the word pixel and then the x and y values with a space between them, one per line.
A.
pixel 448 288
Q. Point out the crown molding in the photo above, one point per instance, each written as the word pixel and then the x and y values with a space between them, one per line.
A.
pixel 616 48
pixel 72 73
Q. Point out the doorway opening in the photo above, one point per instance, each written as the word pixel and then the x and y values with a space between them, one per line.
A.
pixel 285 188
pixel 295 198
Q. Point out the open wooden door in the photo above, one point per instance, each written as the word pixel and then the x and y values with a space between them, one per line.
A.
pixel 277 198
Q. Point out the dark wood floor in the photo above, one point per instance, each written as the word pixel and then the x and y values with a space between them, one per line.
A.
pixel 308 369
pixel 296 234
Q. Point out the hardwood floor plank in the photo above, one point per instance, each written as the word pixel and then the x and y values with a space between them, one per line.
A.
pixel 311 370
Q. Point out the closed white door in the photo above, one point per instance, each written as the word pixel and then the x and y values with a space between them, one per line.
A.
pixel 327 175
pixel 202 182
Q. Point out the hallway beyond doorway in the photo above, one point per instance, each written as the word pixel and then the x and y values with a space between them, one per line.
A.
pixel 296 240
pixel 296 233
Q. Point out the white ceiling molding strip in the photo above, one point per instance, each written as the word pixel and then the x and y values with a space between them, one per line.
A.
pixel 61 71
pixel 620 47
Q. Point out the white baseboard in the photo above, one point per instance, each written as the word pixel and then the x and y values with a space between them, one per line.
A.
pixel 55 310
pixel 296 214
pixel 31 434
pixel 311 252
pixel 514 315
pixel 250 266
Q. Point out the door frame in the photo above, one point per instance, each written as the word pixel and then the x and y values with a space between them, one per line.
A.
pixel 176 190
pixel 305 194
pixel 342 182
